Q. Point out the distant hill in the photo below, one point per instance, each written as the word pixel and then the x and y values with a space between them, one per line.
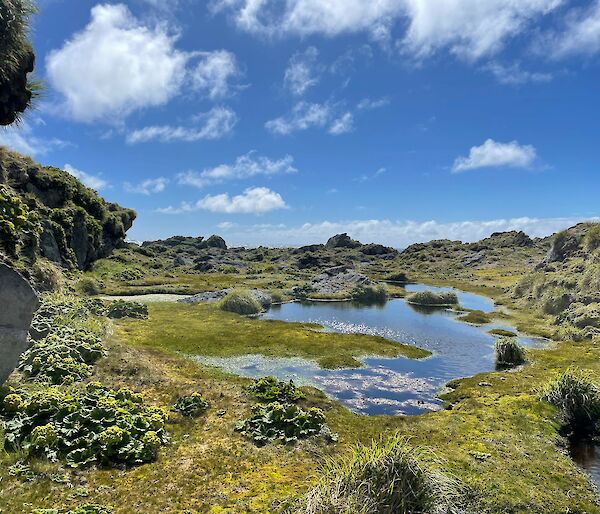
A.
pixel 46 212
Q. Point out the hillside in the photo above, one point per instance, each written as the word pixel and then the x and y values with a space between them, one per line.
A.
pixel 566 283
pixel 47 213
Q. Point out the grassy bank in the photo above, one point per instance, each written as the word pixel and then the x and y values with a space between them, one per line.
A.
pixel 206 330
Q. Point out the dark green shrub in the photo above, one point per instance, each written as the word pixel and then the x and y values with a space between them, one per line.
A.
pixel 576 393
pixel 129 274
pixel 433 299
pixel 388 477
pixel 397 277
pixel 95 426
pixel 18 225
pixel 241 302
pixel 269 389
pixel 369 294
pixel 191 406
pixel 284 423
pixel 123 309
pixel 509 352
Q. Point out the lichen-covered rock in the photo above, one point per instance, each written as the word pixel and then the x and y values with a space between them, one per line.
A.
pixel 18 303
pixel 338 279
pixel 342 241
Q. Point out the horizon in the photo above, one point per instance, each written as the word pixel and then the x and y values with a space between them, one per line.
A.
pixel 281 124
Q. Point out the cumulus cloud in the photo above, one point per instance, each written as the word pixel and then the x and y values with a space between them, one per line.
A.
pixel 22 138
pixel 147 187
pixel 93 181
pixel 119 64
pixel 254 200
pixel 494 154
pixel 245 166
pixel 468 28
pixel 398 234
pixel 579 36
pixel 213 73
pixel 214 124
pixel 302 71
pixel 515 75
pixel 115 66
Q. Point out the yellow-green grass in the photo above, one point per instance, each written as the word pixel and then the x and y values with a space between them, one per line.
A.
pixel 501 441
pixel 206 330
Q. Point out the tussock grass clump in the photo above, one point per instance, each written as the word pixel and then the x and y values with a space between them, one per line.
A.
pixel 433 299
pixel 592 239
pixel 476 318
pixel 577 394
pixel 269 389
pixel 370 294
pixel 389 477
pixel 509 352
pixel 241 302
pixel 397 277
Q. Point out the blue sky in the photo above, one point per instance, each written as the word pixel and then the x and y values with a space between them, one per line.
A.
pixel 283 122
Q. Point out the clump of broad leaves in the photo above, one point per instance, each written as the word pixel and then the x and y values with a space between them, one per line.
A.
pixel 191 406
pixel 95 425
pixel 64 356
pixel 279 419
pixel 124 309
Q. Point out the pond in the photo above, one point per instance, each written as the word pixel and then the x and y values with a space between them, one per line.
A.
pixel 587 455
pixel 389 386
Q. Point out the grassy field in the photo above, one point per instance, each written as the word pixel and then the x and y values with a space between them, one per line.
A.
pixel 495 435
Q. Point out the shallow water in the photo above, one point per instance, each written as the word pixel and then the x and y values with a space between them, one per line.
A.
pixel 385 386
pixel 587 455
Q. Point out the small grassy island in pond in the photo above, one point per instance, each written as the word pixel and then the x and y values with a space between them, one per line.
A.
pixel 433 299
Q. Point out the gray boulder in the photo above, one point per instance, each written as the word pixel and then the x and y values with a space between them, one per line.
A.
pixel 18 303
pixel 338 280
pixel 342 241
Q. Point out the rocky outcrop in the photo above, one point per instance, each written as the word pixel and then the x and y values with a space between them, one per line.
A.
pixel 56 216
pixel 377 249
pixel 342 241
pixel 338 280
pixel 18 303
pixel 215 241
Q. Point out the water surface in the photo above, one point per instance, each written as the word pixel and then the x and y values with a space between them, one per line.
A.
pixel 385 385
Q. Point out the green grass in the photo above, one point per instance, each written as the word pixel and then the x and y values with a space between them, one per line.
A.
pixel 432 299
pixel 476 318
pixel 206 330
pixel 502 333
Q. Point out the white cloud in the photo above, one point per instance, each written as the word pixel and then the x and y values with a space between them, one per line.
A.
pixel 147 187
pixel 21 138
pixel 398 234
pixel 580 35
pixel 514 75
pixel 245 166
pixel 368 104
pixel 342 125
pixel 93 181
pixel 254 200
pixel 467 28
pixel 301 73
pixel 304 115
pixel 115 66
pixel 494 154
pixel 213 72
pixel 214 124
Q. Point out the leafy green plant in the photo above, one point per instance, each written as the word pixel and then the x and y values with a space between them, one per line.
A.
pixel 91 508
pixel 576 393
pixel 509 352
pixel 241 302
pixel 388 476
pixel 191 406
pixel 123 309
pixel 284 423
pixel 94 426
pixel 269 389
pixel 18 224
pixel 65 355
pixel 433 299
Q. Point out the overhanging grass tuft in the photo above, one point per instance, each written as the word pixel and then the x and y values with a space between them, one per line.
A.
pixel 509 352
pixel 388 476
pixel 241 302
pixel 433 299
